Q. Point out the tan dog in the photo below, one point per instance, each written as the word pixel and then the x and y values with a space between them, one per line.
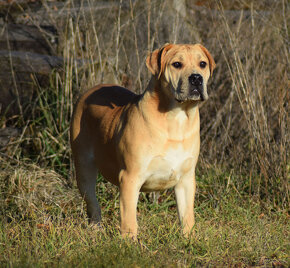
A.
pixel 147 142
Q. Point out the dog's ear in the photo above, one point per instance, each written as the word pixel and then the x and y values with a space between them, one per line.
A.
pixel 212 64
pixel 155 61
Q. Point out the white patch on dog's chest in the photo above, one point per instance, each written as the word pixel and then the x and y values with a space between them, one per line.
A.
pixel 164 171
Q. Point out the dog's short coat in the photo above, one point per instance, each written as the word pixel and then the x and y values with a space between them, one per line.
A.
pixel 146 142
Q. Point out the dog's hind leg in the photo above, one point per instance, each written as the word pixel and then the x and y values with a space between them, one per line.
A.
pixel 86 175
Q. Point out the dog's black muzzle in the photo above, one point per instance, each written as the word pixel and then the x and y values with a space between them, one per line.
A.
pixel 196 86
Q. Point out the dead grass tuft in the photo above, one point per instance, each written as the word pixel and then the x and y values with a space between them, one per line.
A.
pixel 30 192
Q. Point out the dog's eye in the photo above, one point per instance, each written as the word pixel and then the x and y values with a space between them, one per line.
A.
pixel 202 64
pixel 177 64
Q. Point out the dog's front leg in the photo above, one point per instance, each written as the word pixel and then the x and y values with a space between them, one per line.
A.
pixel 129 194
pixel 185 192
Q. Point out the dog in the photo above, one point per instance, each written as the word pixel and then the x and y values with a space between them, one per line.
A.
pixel 148 142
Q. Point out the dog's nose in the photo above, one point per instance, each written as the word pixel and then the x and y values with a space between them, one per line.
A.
pixel 195 80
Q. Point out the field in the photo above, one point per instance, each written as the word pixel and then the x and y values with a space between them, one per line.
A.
pixel 242 201
pixel 45 225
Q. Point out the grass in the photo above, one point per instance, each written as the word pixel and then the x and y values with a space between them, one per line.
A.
pixel 43 223
pixel 242 202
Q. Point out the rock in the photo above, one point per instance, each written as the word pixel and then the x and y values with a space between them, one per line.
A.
pixel 18 37
pixel 8 133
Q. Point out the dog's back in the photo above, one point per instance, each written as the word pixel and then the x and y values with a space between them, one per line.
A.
pixel 103 99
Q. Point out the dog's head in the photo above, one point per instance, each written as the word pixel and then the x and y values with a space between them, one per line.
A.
pixel 185 69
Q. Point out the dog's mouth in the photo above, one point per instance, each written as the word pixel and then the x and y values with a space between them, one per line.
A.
pixel 195 95
pixel 192 92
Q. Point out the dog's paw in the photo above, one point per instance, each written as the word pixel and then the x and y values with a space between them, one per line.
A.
pixel 189 234
pixel 130 236
pixel 96 226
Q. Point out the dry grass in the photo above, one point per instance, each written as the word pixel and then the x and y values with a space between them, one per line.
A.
pixel 252 118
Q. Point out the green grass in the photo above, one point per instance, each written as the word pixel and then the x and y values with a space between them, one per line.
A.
pixel 43 224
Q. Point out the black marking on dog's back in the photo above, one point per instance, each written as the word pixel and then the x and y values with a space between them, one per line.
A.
pixel 112 96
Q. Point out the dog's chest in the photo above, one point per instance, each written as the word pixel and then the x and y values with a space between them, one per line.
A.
pixel 165 170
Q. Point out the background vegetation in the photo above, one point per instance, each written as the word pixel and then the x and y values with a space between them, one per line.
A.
pixel 243 174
